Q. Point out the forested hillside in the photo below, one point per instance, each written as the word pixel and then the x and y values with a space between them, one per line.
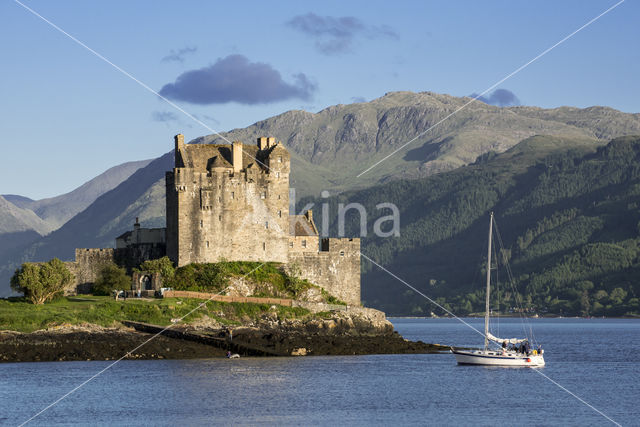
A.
pixel 568 212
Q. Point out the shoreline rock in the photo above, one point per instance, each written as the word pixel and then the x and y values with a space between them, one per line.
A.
pixel 339 334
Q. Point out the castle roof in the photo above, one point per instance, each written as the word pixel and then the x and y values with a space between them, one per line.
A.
pixel 218 162
pixel 301 225
pixel 206 156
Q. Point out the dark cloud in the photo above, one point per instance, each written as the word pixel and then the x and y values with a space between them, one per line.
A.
pixel 235 79
pixel 178 55
pixel 335 35
pixel 163 116
pixel 206 117
pixel 499 97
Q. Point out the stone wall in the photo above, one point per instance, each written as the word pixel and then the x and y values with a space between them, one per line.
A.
pixel 86 268
pixel 146 281
pixel 132 256
pixel 336 267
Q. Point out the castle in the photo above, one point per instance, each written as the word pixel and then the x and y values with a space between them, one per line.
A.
pixel 231 202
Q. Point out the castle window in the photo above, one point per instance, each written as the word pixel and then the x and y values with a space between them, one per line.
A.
pixel 219 217
pixel 263 195
pixel 207 243
pixel 279 214
pixel 201 224
pixel 266 224
pixel 279 159
pixel 220 199
pixel 264 246
pixel 233 195
pixel 304 243
pixel 277 174
pixel 290 244
pixel 341 253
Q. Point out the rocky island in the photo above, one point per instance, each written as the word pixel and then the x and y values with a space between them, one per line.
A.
pixel 272 332
pixel 232 270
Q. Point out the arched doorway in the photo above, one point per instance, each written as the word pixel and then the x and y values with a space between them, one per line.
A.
pixel 145 283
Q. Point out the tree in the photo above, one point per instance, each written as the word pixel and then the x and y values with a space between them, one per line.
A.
pixel 41 282
pixel 617 295
pixel 585 306
pixel 163 265
pixel 111 277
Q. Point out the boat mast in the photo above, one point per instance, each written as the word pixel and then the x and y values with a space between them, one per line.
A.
pixel 486 304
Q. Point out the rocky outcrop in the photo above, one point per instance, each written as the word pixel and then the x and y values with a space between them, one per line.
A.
pixel 334 334
pixel 96 343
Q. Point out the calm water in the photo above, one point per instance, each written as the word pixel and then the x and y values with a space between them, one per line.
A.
pixel 596 359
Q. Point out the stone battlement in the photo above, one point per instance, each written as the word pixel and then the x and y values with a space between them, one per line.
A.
pixel 86 267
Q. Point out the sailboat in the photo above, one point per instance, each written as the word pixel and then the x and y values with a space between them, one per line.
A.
pixel 514 351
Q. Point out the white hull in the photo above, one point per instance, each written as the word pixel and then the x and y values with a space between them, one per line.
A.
pixel 497 358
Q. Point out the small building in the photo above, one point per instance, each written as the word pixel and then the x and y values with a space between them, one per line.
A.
pixel 138 245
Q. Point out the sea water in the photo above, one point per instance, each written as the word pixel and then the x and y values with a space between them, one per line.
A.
pixel 595 359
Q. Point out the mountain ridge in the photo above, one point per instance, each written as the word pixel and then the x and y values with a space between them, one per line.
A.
pixel 329 148
pixel 59 209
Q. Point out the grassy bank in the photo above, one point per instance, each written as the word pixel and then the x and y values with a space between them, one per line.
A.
pixel 19 315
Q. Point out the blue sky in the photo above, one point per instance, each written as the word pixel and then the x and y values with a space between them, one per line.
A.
pixel 68 116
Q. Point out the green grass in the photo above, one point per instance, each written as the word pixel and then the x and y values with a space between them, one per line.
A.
pixel 17 314
pixel 270 277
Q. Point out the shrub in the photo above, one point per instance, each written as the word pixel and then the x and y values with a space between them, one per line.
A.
pixel 41 282
pixel 111 277
pixel 163 265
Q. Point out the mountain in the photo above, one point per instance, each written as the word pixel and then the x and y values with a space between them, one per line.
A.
pixel 18 228
pixel 108 216
pixel 568 212
pixel 15 219
pixel 58 210
pixel 335 145
pixel 329 148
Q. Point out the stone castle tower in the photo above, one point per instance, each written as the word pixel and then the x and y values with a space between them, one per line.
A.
pixel 228 202
pixel 232 202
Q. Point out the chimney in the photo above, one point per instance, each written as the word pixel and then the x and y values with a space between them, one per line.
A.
pixel 136 231
pixel 236 149
pixel 179 141
pixel 262 143
pixel 271 142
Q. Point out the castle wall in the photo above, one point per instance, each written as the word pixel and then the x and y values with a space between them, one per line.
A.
pixel 301 244
pixel 221 214
pixel 171 200
pixel 86 268
pixel 146 281
pixel 133 255
pixel 336 267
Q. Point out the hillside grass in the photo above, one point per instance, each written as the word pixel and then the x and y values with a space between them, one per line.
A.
pixel 16 314
pixel 270 278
